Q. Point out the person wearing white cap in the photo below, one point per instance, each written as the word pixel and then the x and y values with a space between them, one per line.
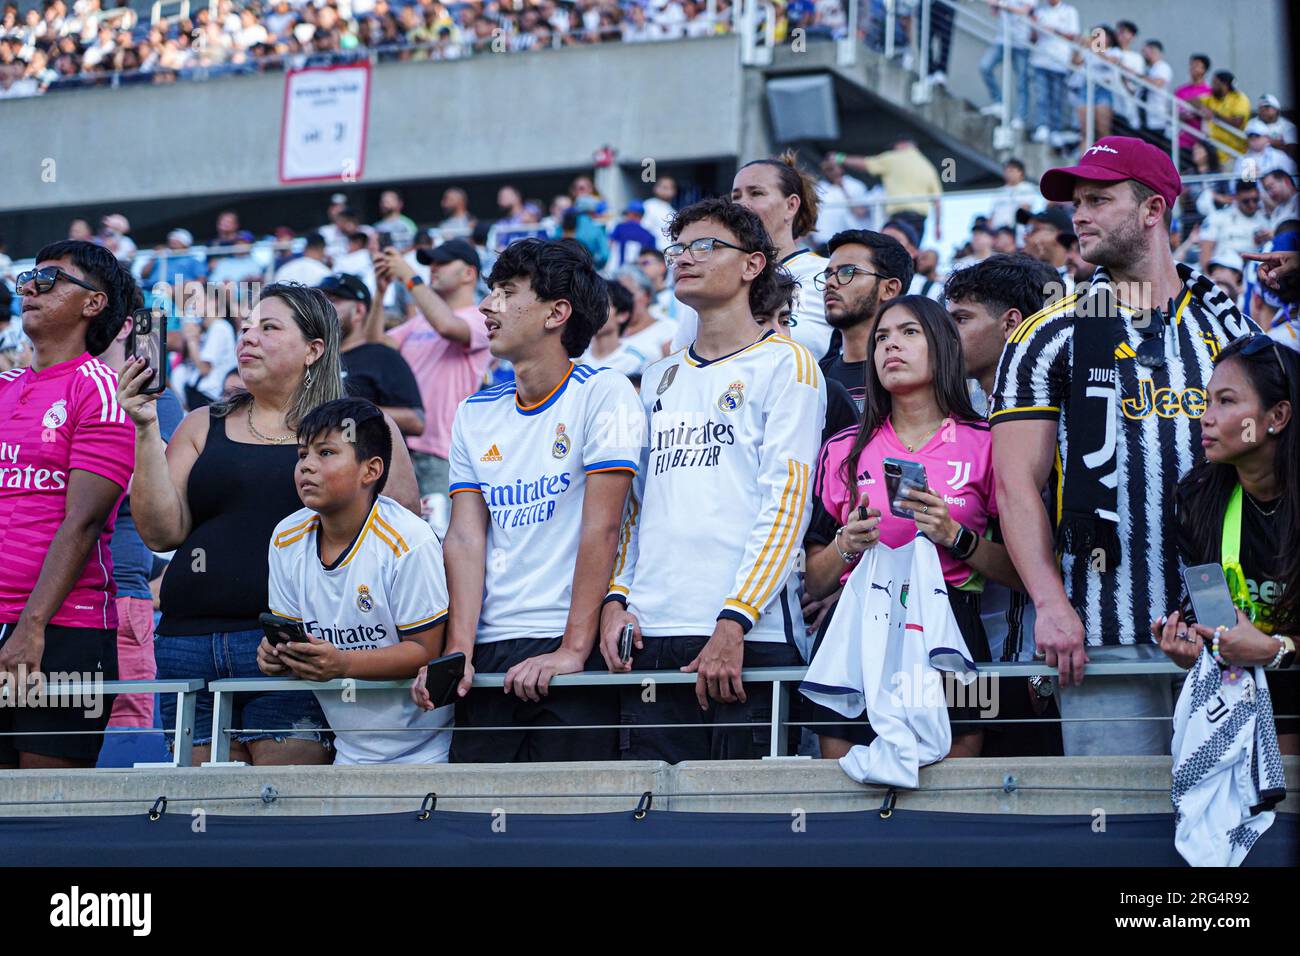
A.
pixel 1261 156
pixel 1227 270
pixel 336 241
pixel 1241 227
pixel 174 264
pixel 1281 131
pixel 112 235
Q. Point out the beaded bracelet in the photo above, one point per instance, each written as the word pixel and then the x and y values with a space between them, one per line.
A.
pixel 1214 646
pixel 1281 652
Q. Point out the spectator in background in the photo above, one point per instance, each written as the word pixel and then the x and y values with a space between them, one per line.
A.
pixel 1239 508
pixel 1280 188
pixel 643 340
pixel 629 237
pixel 208 352
pixel 80 230
pixel 399 228
pixel 228 233
pixel 1012 19
pixel 358 260
pixel 927 271
pixel 1199 200
pixel 1043 242
pixel 841 203
pixel 605 342
pixel 865 269
pixel 904 171
pixel 659 209
pixel 1241 227
pixel 69 462
pixel 1191 93
pixel 1155 108
pixel 1057 27
pixel 1226 106
pixel 1004 240
pixel 310 267
pixel 174 264
pixel 511 206
pixel 1261 156
pixel 446 347
pixel 981 247
pixel 1281 131
pixel 456 220
pixel 1114 508
pixel 1228 272
pixel 336 239
pixel 371 370
pixel 1127 106
pixel 113 230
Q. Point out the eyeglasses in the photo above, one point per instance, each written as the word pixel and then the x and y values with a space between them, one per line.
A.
pixel 843 276
pixel 700 249
pixel 1257 342
pixel 45 279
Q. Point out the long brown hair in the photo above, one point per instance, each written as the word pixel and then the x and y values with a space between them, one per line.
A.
pixel 794 182
pixel 947 365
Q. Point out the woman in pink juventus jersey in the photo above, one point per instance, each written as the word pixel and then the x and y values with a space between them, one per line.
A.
pixel 916 409
pixel 66 454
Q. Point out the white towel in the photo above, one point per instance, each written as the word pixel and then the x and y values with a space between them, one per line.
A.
pixel 1227 767
pixel 892 635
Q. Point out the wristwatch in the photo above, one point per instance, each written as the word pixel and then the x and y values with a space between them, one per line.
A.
pixel 1042 685
pixel 412 282
pixel 964 544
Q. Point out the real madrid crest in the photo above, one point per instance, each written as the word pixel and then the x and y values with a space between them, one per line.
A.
pixel 560 447
pixel 56 414
pixel 364 601
pixel 732 398
pixel 667 379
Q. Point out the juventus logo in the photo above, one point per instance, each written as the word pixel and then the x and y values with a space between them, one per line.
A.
pixel 1218 707
pixel 960 475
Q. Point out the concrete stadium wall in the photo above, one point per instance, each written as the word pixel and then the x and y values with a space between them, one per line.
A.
pixel 493 114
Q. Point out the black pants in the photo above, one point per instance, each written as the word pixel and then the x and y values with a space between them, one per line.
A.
pixel 562 707
pixel 676 704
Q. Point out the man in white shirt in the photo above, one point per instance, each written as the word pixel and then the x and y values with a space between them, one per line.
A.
pixel 659 209
pixel 1280 190
pixel 1016 194
pixel 1261 156
pixel 1057 26
pixel 310 267
pixel 1155 108
pixel 357 261
pixel 841 202
pixel 1241 227
pixel 1281 131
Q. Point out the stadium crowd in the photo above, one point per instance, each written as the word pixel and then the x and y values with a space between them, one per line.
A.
pixel 677 463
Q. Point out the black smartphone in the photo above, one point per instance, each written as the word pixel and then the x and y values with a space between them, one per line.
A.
pixel 148 340
pixel 900 475
pixel 385 241
pixel 442 677
pixel 1207 589
pixel 625 644
pixel 281 630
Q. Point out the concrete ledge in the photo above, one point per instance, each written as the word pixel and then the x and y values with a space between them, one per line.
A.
pixel 1042 785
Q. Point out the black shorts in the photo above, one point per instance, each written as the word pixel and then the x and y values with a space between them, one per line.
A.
pixel 563 706
pixel 37 727
pixel 828 723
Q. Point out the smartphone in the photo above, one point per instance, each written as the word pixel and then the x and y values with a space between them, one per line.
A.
pixel 148 340
pixel 1207 589
pixel 385 241
pixel 900 475
pixel 443 676
pixel 625 644
pixel 282 630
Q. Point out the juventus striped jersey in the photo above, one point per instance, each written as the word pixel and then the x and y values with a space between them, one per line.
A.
pixel 53 422
pixel 1157 437
pixel 720 505
pixel 530 463
pixel 387 584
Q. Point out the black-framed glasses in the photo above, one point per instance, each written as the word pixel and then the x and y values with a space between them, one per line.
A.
pixel 1257 342
pixel 700 249
pixel 45 279
pixel 843 276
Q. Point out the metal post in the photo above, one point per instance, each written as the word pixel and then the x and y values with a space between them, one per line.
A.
pixel 1173 129
pixel 183 755
pixel 1090 120
pixel 711 11
pixel 222 706
pixel 848 51
pixel 923 60
pixel 890 26
pixel 780 716
pixel 155 12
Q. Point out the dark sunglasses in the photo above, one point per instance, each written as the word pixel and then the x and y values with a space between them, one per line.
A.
pixel 1256 343
pixel 1151 351
pixel 45 279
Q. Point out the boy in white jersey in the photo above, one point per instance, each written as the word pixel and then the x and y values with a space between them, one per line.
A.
pixel 706 565
pixel 362 574
pixel 540 471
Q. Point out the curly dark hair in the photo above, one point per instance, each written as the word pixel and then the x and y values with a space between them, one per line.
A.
pixel 559 269
pixel 748 230
pixel 102 270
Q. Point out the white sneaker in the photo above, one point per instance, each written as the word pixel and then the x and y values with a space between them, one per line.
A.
pixel 1056 139
pixel 907 59
pixel 938 78
pixel 1017 123
pixel 993 109
pixel 1070 137
pixel 1040 135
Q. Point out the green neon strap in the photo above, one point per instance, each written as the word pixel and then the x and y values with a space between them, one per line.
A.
pixel 1230 558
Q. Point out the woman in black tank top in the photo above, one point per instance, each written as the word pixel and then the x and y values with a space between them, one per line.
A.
pixel 215 495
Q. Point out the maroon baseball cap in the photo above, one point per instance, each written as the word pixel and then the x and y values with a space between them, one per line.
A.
pixel 1112 159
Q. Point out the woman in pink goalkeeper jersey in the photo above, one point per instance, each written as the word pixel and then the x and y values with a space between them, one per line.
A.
pixel 916 409
pixel 66 454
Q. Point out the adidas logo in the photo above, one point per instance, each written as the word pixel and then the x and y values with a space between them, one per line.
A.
pixel 492 454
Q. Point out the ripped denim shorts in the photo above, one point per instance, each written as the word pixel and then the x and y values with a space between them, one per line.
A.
pixel 267 716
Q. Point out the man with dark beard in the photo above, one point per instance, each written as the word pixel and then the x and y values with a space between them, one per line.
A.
pixel 1111 415
pixel 865 269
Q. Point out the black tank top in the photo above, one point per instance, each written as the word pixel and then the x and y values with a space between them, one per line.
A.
pixel 238 492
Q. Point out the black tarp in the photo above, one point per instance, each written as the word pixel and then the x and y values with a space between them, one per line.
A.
pixel 662 838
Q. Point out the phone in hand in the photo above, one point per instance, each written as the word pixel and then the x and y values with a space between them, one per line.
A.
pixel 1207 589
pixel 282 630
pixel 900 475
pixel 147 340
pixel 385 241
pixel 443 676
pixel 625 643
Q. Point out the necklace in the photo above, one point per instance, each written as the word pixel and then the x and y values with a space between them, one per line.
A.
pixel 259 435
pixel 1266 514
pixel 928 435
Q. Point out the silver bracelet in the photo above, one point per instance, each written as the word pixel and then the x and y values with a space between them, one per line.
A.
pixel 848 557
pixel 1281 652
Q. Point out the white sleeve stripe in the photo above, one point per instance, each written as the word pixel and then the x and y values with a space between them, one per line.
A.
pixel 116 414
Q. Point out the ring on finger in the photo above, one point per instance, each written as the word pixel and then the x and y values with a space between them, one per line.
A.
pixel 925 510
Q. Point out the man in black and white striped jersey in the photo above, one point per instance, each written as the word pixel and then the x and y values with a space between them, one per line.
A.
pixel 1099 397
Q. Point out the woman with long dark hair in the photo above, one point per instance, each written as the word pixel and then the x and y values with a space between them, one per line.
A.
pixel 917 408
pixel 1241 508
pixel 216 492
